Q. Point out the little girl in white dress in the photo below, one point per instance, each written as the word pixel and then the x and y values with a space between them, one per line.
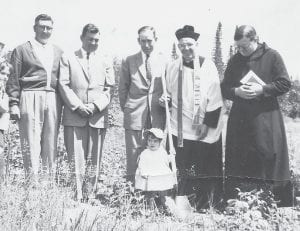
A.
pixel 154 176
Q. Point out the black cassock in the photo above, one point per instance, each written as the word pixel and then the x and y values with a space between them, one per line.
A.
pixel 256 145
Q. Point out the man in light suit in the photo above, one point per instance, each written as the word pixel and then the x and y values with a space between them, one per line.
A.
pixel 33 98
pixel 86 79
pixel 140 88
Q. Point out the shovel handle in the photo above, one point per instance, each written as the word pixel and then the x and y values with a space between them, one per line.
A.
pixel 171 145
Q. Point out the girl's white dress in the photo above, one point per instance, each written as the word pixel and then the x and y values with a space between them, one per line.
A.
pixel 153 172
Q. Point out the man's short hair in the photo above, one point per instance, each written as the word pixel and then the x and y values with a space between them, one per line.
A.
pixel 89 28
pixel 247 31
pixel 43 17
pixel 144 28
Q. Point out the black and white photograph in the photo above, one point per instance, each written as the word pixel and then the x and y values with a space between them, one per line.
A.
pixel 149 115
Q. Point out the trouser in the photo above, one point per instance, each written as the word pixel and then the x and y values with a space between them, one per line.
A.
pixel 84 148
pixel 134 146
pixel 39 124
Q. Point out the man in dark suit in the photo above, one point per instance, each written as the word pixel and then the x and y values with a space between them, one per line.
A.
pixel 140 88
pixel 86 79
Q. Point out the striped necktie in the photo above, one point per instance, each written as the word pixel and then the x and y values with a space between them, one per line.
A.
pixel 148 69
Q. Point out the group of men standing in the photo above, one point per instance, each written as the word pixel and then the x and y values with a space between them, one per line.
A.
pixel 44 79
pixel 256 153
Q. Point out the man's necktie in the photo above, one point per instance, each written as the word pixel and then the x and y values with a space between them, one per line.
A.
pixel 148 69
pixel 88 61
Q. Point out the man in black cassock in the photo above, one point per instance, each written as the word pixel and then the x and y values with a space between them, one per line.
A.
pixel 256 153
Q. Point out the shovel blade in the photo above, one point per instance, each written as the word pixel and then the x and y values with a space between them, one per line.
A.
pixel 183 207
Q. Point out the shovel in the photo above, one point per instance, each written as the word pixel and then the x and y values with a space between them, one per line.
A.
pixel 181 206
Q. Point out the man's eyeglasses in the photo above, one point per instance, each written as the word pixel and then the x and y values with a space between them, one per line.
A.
pixel 45 27
pixel 185 45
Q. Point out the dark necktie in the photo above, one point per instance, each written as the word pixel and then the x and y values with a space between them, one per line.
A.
pixel 88 62
pixel 148 69
pixel 148 124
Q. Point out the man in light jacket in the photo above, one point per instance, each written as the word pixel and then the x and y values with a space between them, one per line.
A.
pixel 86 79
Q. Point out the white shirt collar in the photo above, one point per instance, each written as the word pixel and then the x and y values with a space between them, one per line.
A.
pixel 144 56
pixel 84 53
pixel 36 43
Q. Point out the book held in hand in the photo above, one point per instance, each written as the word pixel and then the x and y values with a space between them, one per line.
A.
pixel 251 77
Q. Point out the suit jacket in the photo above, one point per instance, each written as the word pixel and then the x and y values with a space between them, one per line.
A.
pixel 78 86
pixel 29 73
pixel 137 96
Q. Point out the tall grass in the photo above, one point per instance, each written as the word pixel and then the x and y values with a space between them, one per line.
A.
pixel 29 205
pixel 45 204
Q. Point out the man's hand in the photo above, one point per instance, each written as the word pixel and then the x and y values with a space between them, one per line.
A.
pixel 162 100
pixel 92 107
pixel 83 111
pixel 256 88
pixel 15 112
pixel 249 90
pixel 202 131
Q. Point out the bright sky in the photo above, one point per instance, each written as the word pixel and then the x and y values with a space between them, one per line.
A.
pixel 276 22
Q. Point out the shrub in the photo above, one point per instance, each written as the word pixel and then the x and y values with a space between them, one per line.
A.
pixel 290 102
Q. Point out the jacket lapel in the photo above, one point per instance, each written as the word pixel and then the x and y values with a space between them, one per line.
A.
pixel 82 63
pixel 141 66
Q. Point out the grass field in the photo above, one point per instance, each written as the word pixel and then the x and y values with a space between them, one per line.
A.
pixel 25 205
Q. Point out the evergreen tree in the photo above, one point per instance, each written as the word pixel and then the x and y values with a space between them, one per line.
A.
pixel 174 54
pixel 231 52
pixel 217 52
